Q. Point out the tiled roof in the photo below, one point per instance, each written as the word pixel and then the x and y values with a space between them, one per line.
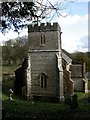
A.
pixel 66 58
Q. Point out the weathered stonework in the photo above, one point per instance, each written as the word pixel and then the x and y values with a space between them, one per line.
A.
pixel 78 75
pixel 46 70
pixel 44 59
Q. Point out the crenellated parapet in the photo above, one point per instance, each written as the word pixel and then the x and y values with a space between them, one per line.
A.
pixel 44 27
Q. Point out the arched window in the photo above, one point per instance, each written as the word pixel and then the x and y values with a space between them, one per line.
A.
pixel 43 80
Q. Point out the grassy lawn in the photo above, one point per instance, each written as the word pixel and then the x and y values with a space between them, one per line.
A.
pixel 83 101
pixel 23 105
pixel 20 106
pixel 82 95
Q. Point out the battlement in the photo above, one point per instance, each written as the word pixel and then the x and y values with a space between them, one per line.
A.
pixel 44 27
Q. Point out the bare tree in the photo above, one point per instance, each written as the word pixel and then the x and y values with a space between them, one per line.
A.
pixel 17 14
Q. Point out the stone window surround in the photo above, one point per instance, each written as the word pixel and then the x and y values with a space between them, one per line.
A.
pixel 43 80
pixel 42 40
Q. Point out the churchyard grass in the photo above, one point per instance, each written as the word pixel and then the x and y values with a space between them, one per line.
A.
pixel 19 103
pixel 19 106
pixel 22 108
pixel 82 95
pixel 23 105
pixel 83 100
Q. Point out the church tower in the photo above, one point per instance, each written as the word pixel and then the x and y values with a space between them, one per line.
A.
pixel 45 73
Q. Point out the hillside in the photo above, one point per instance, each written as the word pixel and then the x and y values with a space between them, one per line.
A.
pixel 13 54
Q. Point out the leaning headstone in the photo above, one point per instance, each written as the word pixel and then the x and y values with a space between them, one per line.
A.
pixel 10 94
pixel 74 102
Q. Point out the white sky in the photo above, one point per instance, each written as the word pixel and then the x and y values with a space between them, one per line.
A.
pixel 75 32
pixel 74 28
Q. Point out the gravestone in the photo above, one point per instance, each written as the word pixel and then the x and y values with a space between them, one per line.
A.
pixel 10 94
pixel 74 102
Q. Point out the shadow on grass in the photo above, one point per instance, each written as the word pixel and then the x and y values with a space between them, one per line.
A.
pixel 25 110
pixel 20 108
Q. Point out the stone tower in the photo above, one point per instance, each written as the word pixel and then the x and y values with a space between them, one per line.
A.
pixel 44 72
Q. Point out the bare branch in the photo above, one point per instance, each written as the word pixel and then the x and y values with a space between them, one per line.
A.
pixel 13 13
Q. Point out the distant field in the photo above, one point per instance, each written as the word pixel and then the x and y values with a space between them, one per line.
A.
pixel 9 69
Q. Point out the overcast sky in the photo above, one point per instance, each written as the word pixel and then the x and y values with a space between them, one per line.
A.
pixel 74 28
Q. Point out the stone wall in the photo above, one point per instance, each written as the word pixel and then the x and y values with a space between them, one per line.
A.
pixel 44 62
pixel 44 42
pixel 77 71
pixel 78 74
pixel 78 84
pixel 43 27
pixel 68 85
pixel 51 41
pixel 44 37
